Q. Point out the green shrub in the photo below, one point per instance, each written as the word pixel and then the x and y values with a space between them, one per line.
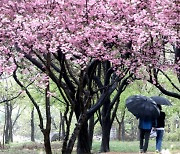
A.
pixel 173 136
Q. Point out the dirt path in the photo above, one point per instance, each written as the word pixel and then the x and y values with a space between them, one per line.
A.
pixel 125 153
pixel 174 152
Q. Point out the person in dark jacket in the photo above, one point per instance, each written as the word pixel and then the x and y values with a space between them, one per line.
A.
pixel 145 126
pixel 160 129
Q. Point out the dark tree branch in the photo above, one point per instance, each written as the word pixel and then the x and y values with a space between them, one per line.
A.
pixel 71 73
pixel 17 116
pixel 161 88
pixel 121 88
pixel 102 99
pixel 14 97
pixel 61 58
pixel 41 67
pixel 30 97
pixel 170 80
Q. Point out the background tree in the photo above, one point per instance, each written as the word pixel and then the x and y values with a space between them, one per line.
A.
pixel 10 105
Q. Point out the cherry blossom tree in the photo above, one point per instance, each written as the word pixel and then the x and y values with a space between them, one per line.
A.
pixel 134 36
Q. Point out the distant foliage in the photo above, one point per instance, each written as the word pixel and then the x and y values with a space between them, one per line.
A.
pixel 173 136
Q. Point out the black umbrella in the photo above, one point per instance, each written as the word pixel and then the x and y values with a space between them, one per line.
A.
pixel 142 107
pixel 161 100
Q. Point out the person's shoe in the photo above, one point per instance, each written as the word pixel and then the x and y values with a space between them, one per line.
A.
pixel 157 151
pixel 141 151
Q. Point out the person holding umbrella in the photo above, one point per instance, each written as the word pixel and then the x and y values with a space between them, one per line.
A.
pixel 160 120
pixel 160 129
pixel 145 126
pixel 146 110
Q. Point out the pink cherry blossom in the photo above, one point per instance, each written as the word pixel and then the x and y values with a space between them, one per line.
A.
pixel 90 29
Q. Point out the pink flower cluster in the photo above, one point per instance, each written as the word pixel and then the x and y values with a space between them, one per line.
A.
pixel 128 33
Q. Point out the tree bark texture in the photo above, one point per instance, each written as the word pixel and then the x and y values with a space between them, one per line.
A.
pixel 106 122
pixel 47 143
pixel 32 125
pixel 83 140
pixel 8 127
pixel 61 127
pixel 177 59
pixel 91 131
pixel 106 128
pixel 47 130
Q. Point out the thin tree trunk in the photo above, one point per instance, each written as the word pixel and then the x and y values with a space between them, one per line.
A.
pixel 7 123
pixel 4 128
pixel 61 127
pixel 54 123
pixel 106 128
pixel 47 130
pixel 123 131
pixel 60 124
pixel 91 131
pixel 119 132
pixel 177 59
pixel 10 124
pixel 32 125
pixel 47 143
pixel 132 135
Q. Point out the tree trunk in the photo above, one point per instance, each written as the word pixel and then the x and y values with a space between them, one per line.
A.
pixel 4 128
pixel 91 131
pixel 132 135
pixel 6 134
pixel 46 131
pixel 67 122
pixel 32 125
pixel 119 132
pixel 47 143
pixel 60 123
pixel 83 140
pixel 106 128
pixel 54 123
pixel 177 59
pixel 81 131
pixel 8 127
pixel 123 131
pixel 10 123
pixel 61 127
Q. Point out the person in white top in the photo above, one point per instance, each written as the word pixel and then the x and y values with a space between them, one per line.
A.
pixel 160 129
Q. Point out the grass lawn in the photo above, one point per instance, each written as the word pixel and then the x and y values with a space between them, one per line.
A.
pixel 133 146
pixel 116 147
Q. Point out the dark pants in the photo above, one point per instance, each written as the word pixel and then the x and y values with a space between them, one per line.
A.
pixel 144 138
